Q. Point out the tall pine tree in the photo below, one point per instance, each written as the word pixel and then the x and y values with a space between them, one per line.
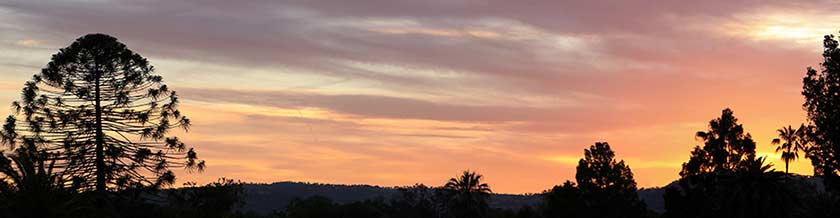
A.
pixel 101 107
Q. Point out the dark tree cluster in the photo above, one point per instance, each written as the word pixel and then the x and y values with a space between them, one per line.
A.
pixel 222 199
pixel 725 179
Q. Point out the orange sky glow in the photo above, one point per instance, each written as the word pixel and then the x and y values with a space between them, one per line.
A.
pixel 396 93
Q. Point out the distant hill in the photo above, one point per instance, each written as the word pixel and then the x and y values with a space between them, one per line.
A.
pixel 654 198
pixel 264 198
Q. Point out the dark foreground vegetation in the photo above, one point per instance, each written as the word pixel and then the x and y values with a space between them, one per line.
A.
pixel 91 137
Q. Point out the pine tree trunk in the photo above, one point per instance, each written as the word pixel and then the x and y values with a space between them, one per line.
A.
pixel 100 141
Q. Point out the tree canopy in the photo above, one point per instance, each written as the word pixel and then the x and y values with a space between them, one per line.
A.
pixel 605 188
pixel 599 170
pixel 822 103
pixel 725 147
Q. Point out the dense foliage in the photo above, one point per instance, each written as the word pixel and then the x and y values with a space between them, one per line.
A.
pixel 726 179
pixel 752 191
pixel 725 148
pixel 822 102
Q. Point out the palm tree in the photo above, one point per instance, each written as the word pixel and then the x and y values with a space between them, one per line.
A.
pixel 790 143
pixel 28 185
pixel 469 195
pixel 28 170
pixel 468 182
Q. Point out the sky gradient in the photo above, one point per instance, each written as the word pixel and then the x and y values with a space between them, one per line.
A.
pixel 394 92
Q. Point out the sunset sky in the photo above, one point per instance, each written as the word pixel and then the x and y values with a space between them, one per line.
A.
pixel 398 92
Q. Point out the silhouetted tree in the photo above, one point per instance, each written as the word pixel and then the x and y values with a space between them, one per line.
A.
pixel 725 147
pixel 790 143
pixel 30 188
pixel 598 170
pixel 607 186
pixel 563 201
pixel 372 208
pixel 822 102
pixel 419 201
pixel 100 107
pixel 221 199
pixel 692 196
pixel 725 179
pixel 753 190
pixel 469 195
pixel 756 190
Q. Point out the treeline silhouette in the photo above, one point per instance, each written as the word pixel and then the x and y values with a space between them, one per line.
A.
pixel 90 137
